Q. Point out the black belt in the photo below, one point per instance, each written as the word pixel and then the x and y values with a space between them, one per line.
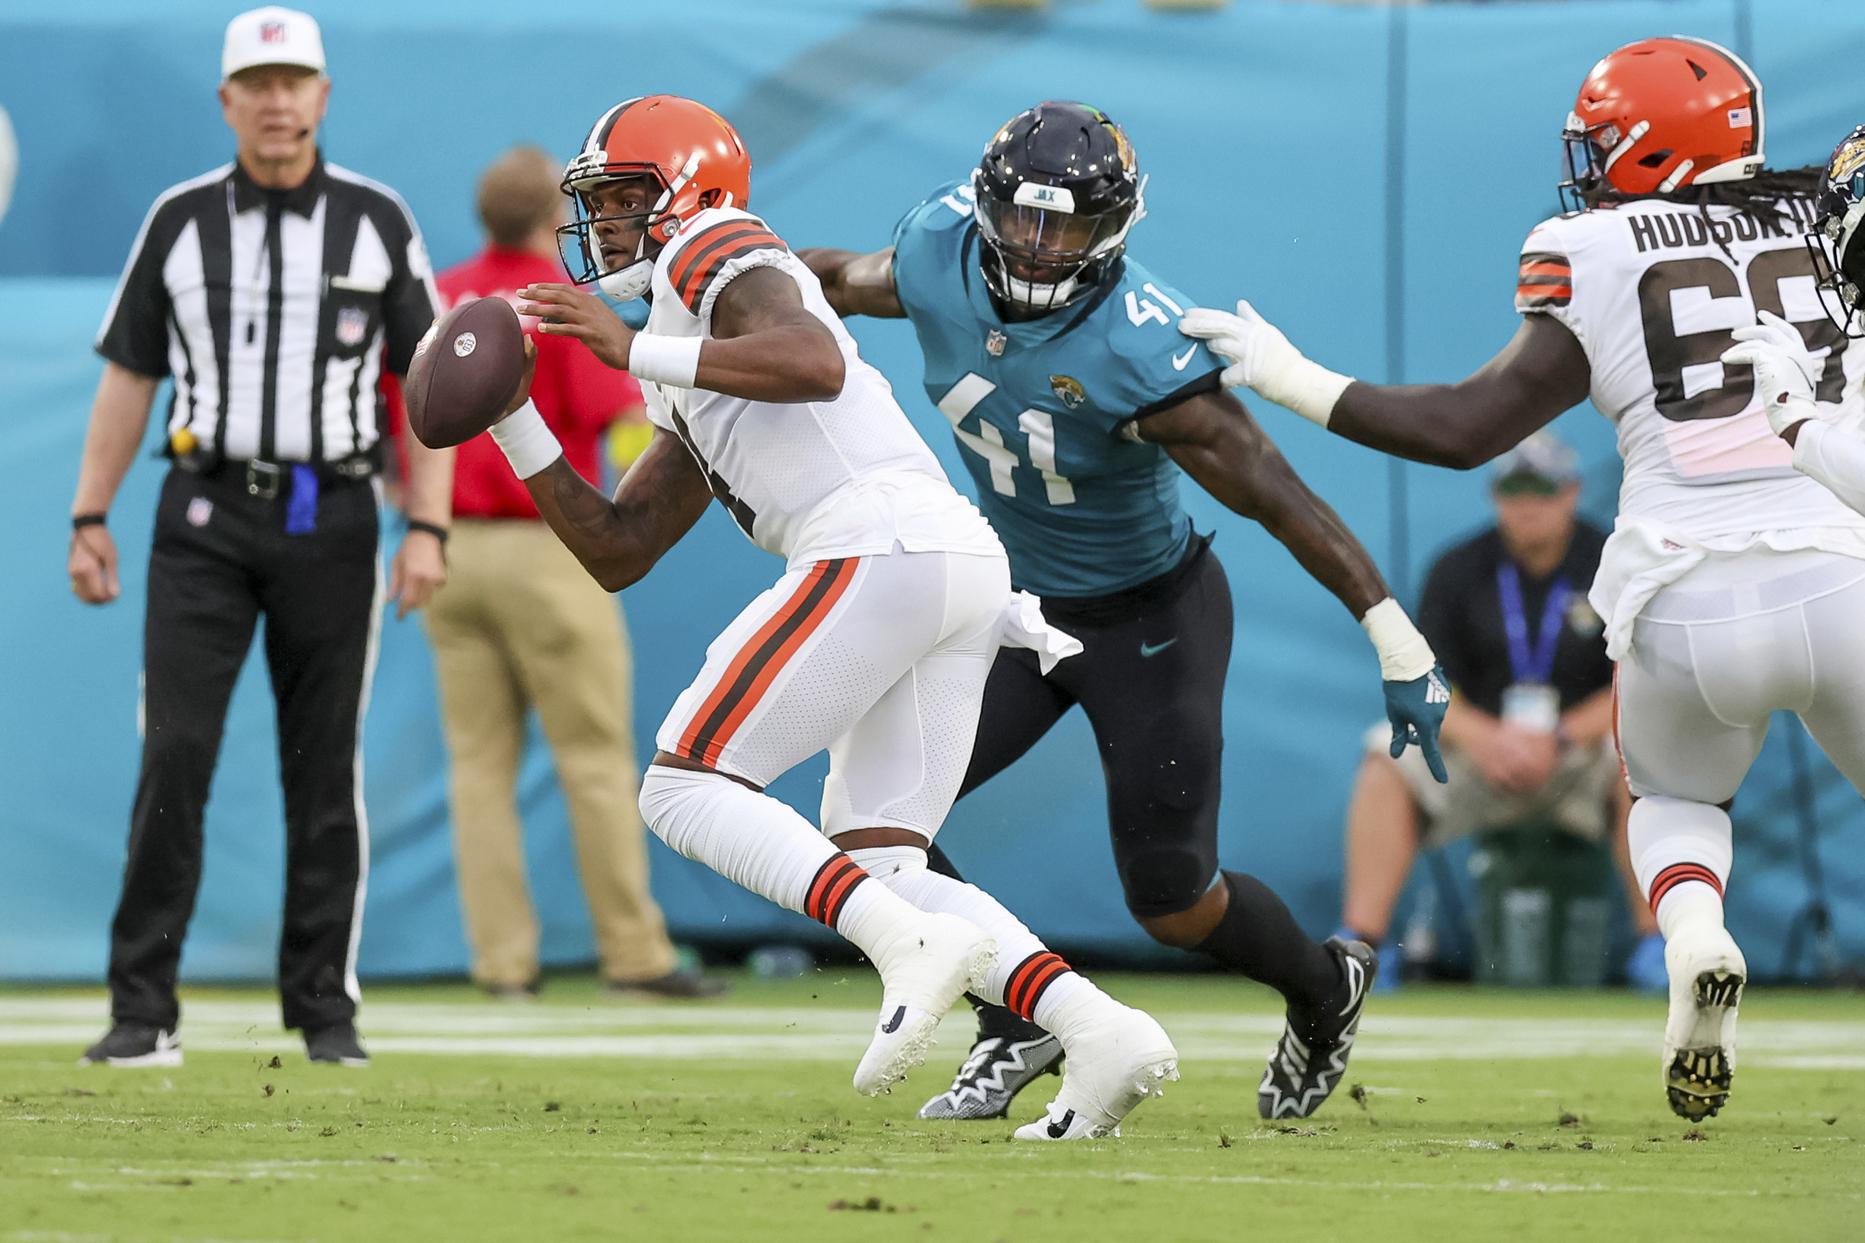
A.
pixel 266 480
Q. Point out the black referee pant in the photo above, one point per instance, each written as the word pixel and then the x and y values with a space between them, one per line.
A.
pixel 219 560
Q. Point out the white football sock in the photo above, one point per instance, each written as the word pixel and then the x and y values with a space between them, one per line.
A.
pixel 763 844
pixel 1033 982
pixel 1681 852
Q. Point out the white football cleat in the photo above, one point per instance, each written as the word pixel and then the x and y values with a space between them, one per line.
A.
pixel 925 967
pixel 1114 1062
pixel 1707 976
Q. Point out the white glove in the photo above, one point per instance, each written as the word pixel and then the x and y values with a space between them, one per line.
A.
pixel 1784 371
pixel 1262 359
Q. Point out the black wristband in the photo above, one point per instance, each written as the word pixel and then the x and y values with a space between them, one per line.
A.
pixel 87 520
pixel 432 528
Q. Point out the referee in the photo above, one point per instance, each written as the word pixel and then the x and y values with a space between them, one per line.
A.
pixel 272 290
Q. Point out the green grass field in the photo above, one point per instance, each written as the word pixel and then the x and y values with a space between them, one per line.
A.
pixel 1481 1115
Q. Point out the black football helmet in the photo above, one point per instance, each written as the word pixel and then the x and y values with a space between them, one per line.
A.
pixel 1057 191
pixel 1837 236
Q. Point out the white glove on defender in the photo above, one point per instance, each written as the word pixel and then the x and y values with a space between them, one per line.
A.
pixel 1262 359
pixel 1784 371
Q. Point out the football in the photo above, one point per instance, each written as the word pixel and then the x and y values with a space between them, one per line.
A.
pixel 464 371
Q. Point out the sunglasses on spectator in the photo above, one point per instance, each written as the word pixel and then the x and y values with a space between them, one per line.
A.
pixel 1527 485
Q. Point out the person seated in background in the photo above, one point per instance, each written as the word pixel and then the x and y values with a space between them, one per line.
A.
pixel 522 627
pixel 1528 739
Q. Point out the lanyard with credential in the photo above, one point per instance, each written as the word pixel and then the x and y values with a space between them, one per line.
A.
pixel 1528 664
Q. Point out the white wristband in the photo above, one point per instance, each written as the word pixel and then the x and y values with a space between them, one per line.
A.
pixel 528 443
pixel 673 361
pixel 1403 653
pixel 1311 390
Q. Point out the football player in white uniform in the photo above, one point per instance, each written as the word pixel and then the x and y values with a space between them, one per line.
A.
pixel 1732 584
pixel 875 643
pixel 1825 447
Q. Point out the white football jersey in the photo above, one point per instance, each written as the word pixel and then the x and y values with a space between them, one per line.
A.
pixel 1652 290
pixel 806 480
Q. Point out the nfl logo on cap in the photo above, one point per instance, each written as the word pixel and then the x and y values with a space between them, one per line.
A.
pixel 272 36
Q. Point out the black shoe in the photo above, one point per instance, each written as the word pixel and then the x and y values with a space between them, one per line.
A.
pixel 1311 1057
pixel 335 1045
pixel 997 1068
pixel 675 985
pixel 134 1044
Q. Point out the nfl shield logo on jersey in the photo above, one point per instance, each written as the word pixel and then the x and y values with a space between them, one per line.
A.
pixel 995 343
pixel 352 323
pixel 1069 390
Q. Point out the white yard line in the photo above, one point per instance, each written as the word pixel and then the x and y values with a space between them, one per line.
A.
pixel 839 1032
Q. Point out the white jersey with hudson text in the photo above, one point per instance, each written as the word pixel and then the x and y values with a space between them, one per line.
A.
pixel 806 480
pixel 1652 290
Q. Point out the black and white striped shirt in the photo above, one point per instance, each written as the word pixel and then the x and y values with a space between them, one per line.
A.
pixel 272 310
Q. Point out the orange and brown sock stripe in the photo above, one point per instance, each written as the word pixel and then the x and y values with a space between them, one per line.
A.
pixel 1031 980
pixel 828 892
pixel 1677 874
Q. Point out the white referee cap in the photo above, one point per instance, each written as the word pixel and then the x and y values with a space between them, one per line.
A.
pixel 271 36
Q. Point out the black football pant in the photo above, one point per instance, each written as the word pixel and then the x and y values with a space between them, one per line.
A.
pixel 1151 679
pixel 221 558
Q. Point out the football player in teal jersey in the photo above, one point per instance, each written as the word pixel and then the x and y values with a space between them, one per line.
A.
pixel 1077 403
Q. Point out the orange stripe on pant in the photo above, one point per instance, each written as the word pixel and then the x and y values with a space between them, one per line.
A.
pixel 797 612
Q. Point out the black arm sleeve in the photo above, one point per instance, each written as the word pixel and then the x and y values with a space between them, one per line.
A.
pixel 409 302
pixel 135 328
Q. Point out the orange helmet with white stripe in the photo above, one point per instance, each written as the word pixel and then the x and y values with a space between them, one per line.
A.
pixel 1661 114
pixel 690 153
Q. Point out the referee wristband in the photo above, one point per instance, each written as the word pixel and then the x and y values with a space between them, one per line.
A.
pixel 673 361
pixel 79 521
pixel 527 442
pixel 432 528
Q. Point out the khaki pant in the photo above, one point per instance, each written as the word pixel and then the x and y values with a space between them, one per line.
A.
pixel 1578 797
pixel 520 624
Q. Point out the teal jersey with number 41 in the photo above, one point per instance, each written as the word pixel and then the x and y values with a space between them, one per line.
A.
pixel 1045 409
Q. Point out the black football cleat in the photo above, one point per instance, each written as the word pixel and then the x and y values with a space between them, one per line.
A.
pixel 1309 1060
pixel 996 1069
pixel 336 1045
pixel 134 1044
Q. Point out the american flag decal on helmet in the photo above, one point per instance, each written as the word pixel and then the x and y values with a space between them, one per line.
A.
pixel 1544 280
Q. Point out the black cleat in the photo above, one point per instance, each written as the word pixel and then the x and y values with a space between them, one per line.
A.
pixel 997 1068
pixel 335 1045
pixel 1699 1046
pixel 1308 1063
pixel 134 1044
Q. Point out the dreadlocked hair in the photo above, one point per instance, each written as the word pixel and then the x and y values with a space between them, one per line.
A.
pixel 1767 192
pixel 1762 192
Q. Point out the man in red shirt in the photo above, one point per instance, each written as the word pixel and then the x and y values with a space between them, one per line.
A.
pixel 521 625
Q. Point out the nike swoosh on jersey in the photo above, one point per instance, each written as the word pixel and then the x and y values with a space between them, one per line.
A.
pixel 1153 649
pixel 1179 361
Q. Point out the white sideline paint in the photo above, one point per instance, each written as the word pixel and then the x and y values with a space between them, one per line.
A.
pixel 839 1032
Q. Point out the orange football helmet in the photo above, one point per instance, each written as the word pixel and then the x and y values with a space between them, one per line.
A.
pixel 1661 114
pixel 691 152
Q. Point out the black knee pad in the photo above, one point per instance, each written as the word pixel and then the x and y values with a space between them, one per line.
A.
pixel 1166 878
